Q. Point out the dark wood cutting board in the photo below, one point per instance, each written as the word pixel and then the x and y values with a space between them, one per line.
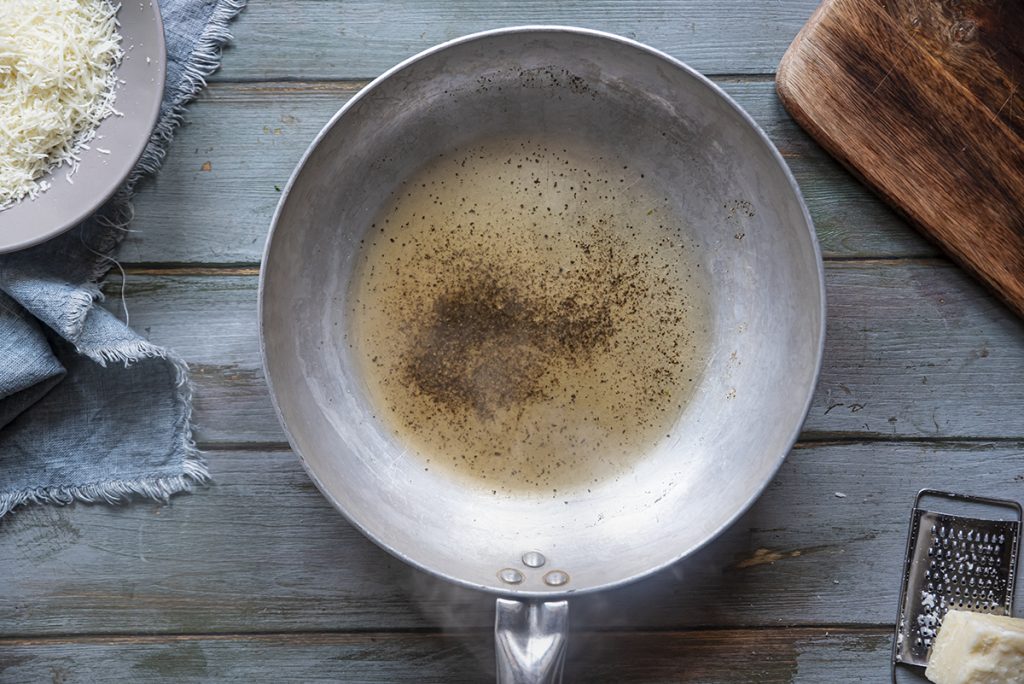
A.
pixel 924 100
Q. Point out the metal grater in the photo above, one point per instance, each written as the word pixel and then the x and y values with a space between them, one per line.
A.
pixel 953 562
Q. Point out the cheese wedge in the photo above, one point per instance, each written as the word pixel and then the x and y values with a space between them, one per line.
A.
pixel 977 648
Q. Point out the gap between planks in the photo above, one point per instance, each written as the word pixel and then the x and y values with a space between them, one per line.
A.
pixel 181 269
pixel 812 439
pixel 321 636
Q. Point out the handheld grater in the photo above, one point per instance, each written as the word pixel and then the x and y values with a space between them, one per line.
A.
pixel 954 562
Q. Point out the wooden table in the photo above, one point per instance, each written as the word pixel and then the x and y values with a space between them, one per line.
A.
pixel 256 578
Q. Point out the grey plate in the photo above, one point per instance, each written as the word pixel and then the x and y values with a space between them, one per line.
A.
pixel 30 222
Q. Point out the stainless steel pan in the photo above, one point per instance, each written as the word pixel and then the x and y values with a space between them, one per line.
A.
pixel 767 307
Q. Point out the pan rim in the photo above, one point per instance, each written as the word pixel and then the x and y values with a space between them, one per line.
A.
pixel 780 163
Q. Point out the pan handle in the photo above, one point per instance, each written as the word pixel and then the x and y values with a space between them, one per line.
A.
pixel 530 639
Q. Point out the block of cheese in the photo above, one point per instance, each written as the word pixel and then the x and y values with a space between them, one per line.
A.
pixel 977 648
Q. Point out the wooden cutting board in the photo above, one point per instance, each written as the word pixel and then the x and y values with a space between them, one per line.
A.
pixel 924 100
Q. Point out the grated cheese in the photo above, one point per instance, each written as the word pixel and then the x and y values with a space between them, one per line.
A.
pixel 57 61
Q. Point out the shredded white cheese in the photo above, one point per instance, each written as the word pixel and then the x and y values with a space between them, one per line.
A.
pixel 57 61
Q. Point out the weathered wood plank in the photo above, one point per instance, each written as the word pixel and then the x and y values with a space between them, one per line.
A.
pixel 212 201
pixel 913 350
pixel 262 551
pixel 362 38
pixel 734 656
pixel 917 351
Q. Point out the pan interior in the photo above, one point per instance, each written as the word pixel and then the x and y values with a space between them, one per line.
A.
pixel 754 313
pixel 529 314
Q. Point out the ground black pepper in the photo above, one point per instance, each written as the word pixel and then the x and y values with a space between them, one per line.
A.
pixel 523 330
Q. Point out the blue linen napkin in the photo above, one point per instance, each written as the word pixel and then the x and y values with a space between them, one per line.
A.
pixel 89 409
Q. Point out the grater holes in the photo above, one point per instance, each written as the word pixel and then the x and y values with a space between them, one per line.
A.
pixel 927 627
pixel 964 567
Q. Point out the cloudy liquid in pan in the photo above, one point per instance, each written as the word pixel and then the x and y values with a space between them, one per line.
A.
pixel 528 315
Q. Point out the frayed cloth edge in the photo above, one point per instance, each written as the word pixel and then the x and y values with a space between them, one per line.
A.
pixel 204 60
pixel 126 352
pixel 157 487
pixel 81 305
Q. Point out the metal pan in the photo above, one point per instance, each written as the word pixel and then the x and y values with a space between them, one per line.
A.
pixel 767 307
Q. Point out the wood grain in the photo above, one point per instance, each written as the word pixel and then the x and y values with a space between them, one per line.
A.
pixel 252 135
pixel 975 43
pixel 913 350
pixel 331 39
pixel 733 656
pixel 262 551
pixel 899 105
